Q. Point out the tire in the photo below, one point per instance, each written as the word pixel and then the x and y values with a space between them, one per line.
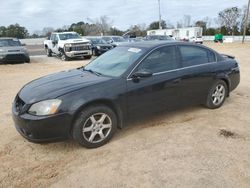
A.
pixel 94 52
pixel 217 95
pixel 48 52
pixel 64 57
pixel 27 60
pixel 88 57
pixel 88 129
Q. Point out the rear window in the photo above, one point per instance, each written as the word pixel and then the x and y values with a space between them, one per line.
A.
pixel 192 55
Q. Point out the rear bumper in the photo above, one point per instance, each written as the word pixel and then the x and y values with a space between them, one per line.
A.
pixel 43 129
pixel 19 57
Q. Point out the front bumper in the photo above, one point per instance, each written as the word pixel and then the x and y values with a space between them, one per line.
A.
pixel 42 129
pixel 78 53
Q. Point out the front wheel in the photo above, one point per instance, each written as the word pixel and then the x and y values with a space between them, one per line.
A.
pixel 88 57
pixel 94 126
pixel 217 95
pixel 48 52
pixel 64 57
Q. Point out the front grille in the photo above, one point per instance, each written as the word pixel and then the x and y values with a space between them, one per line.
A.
pixel 19 104
pixel 80 48
pixel 15 57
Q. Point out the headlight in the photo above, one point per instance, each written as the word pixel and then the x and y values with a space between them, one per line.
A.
pixel 2 50
pixel 43 108
pixel 67 45
pixel 98 47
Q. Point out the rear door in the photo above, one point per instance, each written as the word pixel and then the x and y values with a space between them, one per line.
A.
pixel 197 76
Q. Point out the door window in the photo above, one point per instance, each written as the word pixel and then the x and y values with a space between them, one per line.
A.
pixel 162 59
pixel 192 55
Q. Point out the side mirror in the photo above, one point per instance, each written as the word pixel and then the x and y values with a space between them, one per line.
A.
pixel 54 42
pixel 23 44
pixel 142 74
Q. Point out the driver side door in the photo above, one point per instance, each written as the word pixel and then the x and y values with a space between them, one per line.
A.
pixel 161 90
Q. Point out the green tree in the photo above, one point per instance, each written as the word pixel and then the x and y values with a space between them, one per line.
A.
pixel 229 18
pixel 16 31
pixel 155 25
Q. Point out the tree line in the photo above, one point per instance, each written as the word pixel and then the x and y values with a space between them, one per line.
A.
pixel 229 21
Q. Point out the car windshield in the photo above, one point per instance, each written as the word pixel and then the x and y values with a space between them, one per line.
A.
pixel 9 42
pixel 66 36
pixel 115 62
pixel 97 41
pixel 119 39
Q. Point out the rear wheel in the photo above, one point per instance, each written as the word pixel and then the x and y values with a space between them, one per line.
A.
pixel 95 126
pixel 217 94
pixel 48 52
pixel 27 60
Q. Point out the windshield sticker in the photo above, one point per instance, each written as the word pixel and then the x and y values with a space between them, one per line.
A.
pixel 135 50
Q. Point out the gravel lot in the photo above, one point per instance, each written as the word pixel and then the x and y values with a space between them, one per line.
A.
pixel 185 148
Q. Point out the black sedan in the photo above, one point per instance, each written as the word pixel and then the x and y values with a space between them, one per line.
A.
pixel 99 46
pixel 137 79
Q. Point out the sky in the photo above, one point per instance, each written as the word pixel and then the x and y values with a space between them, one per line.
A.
pixel 37 14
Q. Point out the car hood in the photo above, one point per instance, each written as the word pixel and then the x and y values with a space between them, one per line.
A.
pixel 76 40
pixel 103 45
pixel 55 85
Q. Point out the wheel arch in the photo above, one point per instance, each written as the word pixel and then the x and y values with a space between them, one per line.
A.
pixel 226 79
pixel 105 102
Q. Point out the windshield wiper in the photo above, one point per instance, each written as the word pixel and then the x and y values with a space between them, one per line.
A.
pixel 94 72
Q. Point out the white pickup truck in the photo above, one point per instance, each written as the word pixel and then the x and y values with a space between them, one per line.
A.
pixel 68 45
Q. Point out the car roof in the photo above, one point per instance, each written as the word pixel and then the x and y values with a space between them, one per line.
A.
pixel 68 32
pixel 111 36
pixel 151 44
pixel 157 43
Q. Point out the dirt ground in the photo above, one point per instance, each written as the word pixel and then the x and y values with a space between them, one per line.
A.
pixel 186 148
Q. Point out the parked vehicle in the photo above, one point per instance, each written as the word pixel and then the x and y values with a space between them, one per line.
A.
pixel 11 50
pixel 159 37
pixel 135 79
pixel 99 46
pixel 114 40
pixel 68 45
pixel 182 34
pixel 218 38
pixel 198 40
pixel 136 39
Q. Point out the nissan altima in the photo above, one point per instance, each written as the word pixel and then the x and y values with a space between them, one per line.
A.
pixel 89 103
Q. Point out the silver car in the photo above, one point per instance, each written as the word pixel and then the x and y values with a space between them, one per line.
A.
pixel 11 50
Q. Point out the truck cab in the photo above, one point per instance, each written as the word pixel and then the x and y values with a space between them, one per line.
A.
pixel 68 45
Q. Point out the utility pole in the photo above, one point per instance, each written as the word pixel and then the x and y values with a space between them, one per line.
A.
pixel 160 27
pixel 246 22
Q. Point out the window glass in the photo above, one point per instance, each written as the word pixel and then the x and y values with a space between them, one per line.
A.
pixel 162 59
pixel 192 55
pixel 116 61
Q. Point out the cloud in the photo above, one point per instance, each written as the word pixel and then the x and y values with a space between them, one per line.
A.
pixel 42 13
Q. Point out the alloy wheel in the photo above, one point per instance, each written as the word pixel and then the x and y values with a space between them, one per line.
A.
pixel 218 94
pixel 97 128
